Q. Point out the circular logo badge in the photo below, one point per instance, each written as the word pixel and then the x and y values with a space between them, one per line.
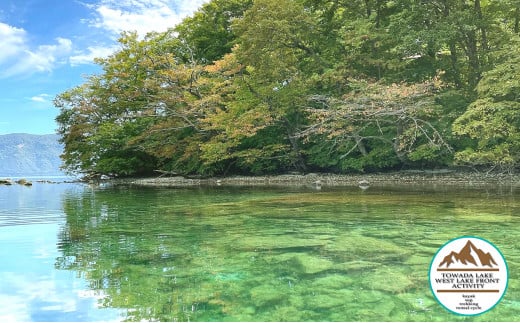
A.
pixel 468 275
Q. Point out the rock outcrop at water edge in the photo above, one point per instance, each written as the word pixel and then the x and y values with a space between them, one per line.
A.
pixel 6 182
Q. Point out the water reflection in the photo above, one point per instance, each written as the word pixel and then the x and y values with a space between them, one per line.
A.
pixel 30 287
pixel 275 255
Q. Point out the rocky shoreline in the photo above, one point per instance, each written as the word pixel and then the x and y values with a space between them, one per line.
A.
pixel 22 181
pixel 436 179
pixel 442 178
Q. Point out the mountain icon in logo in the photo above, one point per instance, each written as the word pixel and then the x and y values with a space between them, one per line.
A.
pixel 467 256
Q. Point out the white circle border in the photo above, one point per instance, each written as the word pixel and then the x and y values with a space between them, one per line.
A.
pixel 435 257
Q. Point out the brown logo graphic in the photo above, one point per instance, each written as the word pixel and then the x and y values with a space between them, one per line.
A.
pixel 467 256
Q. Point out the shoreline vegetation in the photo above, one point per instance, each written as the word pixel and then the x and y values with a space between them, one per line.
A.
pixel 271 87
pixel 411 178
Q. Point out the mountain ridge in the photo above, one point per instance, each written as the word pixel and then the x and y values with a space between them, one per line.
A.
pixel 465 256
pixel 24 154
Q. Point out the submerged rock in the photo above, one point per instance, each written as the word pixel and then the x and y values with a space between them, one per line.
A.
pixel 388 279
pixel 357 265
pixel 331 300
pixel 287 314
pixel 332 282
pixel 417 301
pixel 309 264
pixel 381 312
pixel 358 247
pixel 24 182
pixel 6 181
pixel 266 295
pixel 275 242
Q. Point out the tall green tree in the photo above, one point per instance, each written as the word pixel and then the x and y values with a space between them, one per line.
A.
pixel 208 35
pixel 493 120
pixel 378 126
pixel 455 36
pixel 277 51
pixel 138 115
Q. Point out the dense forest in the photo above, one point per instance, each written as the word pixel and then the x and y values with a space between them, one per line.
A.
pixel 269 86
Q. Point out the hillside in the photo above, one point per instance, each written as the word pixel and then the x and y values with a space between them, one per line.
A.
pixel 30 155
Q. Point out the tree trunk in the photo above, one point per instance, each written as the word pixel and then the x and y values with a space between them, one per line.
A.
pixel 397 142
pixel 473 59
pixel 368 9
pixel 299 161
pixel 478 11
pixel 454 65
pixel 361 145
pixel 453 51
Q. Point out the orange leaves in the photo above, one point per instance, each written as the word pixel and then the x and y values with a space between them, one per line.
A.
pixel 401 115
pixel 227 66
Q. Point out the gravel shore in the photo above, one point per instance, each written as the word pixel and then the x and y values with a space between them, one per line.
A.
pixel 444 178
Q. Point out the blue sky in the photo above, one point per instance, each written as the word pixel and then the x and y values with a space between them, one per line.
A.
pixel 47 46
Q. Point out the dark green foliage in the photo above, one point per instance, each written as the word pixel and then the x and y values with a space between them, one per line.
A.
pixel 207 35
pixel 493 119
pixel 263 86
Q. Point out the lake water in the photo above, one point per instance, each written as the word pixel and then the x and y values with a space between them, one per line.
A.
pixel 72 252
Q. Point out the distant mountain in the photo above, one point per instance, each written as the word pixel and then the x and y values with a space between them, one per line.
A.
pixel 466 255
pixel 30 155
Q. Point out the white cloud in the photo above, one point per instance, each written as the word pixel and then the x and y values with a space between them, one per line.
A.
pixel 12 39
pixel 41 98
pixel 87 57
pixel 14 309
pixel 18 58
pixel 142 16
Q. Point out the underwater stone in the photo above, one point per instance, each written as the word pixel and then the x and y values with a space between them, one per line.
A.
pixel 266 294
pixel 297 301
pixel 388 279
pixel 275 242
pixel 334 282
pixel 419 260
pixel 368 305
pixel 326 301
pixel 364 297
pixel 417 301
pixel 357 265
pixel 308 264
pixel 286 314
pixel 379 312
pixel 356 246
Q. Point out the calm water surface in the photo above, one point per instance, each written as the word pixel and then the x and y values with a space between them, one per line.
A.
pixel 71 252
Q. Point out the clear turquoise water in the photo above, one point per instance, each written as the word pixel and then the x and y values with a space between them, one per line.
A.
pixel 78 253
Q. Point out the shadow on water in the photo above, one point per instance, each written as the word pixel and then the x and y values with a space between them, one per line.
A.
pixel 244 254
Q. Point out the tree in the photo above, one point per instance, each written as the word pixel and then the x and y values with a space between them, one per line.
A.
pixel 95 139
pixel 261 88
pixel 240 123
pixel 208 35
pixel 279 49
pixel 378 126
pixel 493 120
pixel 455 36
pixel 310 85
pixel 138 115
